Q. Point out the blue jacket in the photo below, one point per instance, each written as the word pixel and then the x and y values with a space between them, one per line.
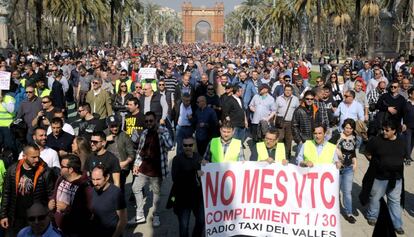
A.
pixel 250 91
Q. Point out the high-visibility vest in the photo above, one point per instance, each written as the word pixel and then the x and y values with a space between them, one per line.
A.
pixel 23 82
pixel 6 118
pixel 232 152
pixel 263 154
pixel 2 174
pixel 152 81
pixel 44 93
pixel 128 83
pixel 325 157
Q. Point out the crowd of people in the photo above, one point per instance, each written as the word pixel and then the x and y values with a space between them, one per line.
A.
pixel 75 124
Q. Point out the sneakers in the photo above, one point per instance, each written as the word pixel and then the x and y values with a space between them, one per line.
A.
pixel 156 221
pixel 136 220
pixel 399 231
pixel 372 222
pixel 350 219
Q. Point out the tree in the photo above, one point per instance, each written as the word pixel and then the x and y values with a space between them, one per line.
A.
pixel 79 13
pixel 371 11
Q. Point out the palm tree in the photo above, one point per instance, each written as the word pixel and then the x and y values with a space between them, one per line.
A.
pixel 342 21
pixel 303 9
pixel 356 25
pixel 39 12
pixel 253 12
pixel 79 13
pixel 371 11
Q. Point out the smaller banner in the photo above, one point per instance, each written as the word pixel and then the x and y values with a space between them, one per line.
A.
pixel 147 73
pixel 261 199
pixel 5 80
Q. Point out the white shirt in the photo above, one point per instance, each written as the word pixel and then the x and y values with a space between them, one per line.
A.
pixel 49 156
pixel 66 127
pixel 238 100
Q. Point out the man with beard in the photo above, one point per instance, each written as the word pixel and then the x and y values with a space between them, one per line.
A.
pixel 47 154
pixel 151 166
pixel 71 201
pixel 304 119
pixel 134 121
pixel 224 148
pixel 104 157
pixel 27 181
pixel 88 122
pixel 108 205
pixel 119 144
pixel 350 84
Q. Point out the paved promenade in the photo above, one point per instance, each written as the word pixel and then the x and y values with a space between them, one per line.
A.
pixel 169 223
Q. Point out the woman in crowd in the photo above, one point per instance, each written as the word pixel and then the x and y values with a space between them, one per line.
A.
pixel 346 149
pixel 82 148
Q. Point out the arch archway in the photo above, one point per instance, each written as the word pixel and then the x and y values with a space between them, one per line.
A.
pixel 203 23
pixel 202 31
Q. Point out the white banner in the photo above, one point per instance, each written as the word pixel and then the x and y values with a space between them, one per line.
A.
pixel 261 199
pixel 5 80
pixel 147 73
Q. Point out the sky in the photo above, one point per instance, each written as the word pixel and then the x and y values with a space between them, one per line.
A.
pixel 176 4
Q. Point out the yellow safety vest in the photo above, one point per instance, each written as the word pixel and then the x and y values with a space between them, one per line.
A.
pixel 6 118
pixel 128 83
pixel 45 92
pixel 152 81
pixel 325 157
pixel 263 154
pixel 23 82
pixel 217 154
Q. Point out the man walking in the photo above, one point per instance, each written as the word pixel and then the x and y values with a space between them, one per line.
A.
pixel 151 166
pixel 386 154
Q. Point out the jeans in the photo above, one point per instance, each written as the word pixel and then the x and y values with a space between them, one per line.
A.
pixel 239 133
pixel 346 177
pixel 155 186
pixel 122 179
pixel 183 132
pixel 409 141
pixel 6 139
pixel 379 188
pixel 183 215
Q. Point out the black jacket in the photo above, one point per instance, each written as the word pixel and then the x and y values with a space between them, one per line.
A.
pixel 43 188
pixel 234 111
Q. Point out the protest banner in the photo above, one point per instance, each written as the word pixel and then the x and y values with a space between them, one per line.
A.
pixel 5 80
pixel 261 199
pixel 147 73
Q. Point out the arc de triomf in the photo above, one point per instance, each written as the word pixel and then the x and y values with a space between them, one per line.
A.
pixel 202 24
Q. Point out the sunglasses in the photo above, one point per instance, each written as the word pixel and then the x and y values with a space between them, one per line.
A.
pixel 95 82
pixel 188 145
pixel 38 218
pixel 29 92
pixel 309 99
pixel 95 142
pixel 80 111
pixel 123 86
pixel 393 87
pixel 161 84
pixel 149 120
pixel 45 102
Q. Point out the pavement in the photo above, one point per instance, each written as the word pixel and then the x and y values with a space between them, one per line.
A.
pixel 169 223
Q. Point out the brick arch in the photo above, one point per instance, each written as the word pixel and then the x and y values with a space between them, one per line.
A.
pixel 200 20
pixel 214 16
